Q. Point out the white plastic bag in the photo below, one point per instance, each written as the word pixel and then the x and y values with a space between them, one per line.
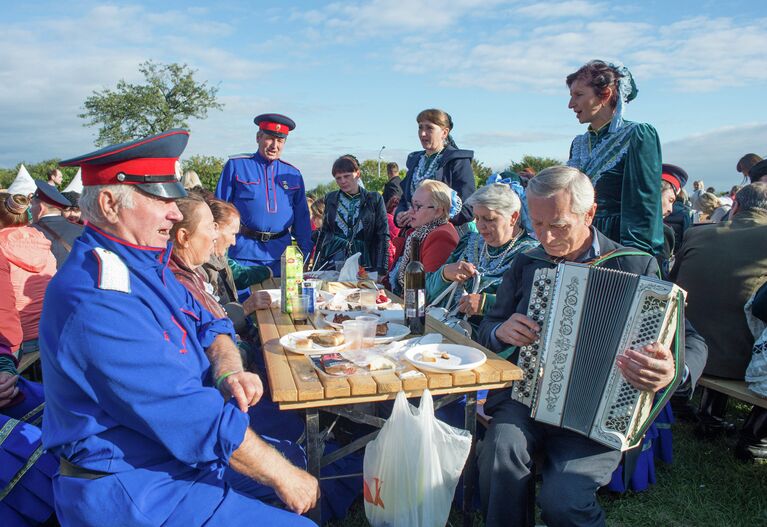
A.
pixel 350 269
pixel 411 469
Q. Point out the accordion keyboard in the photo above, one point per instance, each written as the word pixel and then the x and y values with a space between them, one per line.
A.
pixel 525 390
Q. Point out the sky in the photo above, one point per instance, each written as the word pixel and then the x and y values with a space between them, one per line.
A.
pixel 355 74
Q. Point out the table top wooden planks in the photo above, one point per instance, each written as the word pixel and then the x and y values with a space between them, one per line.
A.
pixel 296 384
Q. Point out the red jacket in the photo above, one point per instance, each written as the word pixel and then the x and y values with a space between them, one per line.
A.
pixel 32 266
pixel 10 327
pixel 435 249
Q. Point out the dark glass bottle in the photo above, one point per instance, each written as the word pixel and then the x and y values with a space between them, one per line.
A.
pixel 415 293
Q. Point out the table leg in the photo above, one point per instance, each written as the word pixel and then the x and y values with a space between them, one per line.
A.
pixel 314 455
pixel 470 424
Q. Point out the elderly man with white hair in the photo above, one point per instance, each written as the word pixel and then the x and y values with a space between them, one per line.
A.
pixel 146 395
pixel 561 205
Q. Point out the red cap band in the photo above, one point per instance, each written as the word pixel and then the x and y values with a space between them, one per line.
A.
pixel 107 174
pixel 274 127
pixel 671 180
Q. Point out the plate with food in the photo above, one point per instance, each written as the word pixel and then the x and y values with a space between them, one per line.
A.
pixel 355 298
pixel 314 341
pixel 445 358
pixel 387 332
pixel 335 319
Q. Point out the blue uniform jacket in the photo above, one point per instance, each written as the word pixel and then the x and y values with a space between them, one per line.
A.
pixel 271 198
pixel 128 383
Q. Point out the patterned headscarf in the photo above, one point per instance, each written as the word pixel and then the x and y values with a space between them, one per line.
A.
pixel 627 91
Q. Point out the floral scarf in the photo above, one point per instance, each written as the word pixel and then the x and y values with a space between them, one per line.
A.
pixel 419 234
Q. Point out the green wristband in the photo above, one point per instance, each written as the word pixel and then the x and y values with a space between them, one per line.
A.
pixel 223 376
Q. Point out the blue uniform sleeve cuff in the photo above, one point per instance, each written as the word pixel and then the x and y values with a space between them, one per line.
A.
pixel 232 427
pixel 214 328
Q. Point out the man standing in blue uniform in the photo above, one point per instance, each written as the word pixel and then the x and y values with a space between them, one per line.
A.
pixel 270 195
pixel 148 397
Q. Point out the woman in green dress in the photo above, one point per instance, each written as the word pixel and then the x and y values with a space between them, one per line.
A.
pixel 622 158
pixel 354 221
pixel 466 284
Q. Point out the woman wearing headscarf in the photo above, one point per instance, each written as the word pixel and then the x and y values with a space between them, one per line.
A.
pixel 622 158
pixel 468 280
pixel 354 222
pixel 440 160
pixel 434 203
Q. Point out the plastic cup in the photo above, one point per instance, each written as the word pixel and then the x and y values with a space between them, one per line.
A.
pixel 369 335
pixel 354 333
pixel 300 304
pixel 368 298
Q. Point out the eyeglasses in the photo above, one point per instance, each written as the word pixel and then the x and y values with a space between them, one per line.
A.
pixel 417 207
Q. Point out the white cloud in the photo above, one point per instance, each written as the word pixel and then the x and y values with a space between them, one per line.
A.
pixel 698 54
pixel 570 8
pixel 504 138
pixel 712 155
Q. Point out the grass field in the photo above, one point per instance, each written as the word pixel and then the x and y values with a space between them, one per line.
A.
pixel 704 487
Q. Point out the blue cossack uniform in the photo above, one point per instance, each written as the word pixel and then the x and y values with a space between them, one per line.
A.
pixel 142 435
pixel 271 198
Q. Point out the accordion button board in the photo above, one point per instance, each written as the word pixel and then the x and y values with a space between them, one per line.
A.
pixel 588 316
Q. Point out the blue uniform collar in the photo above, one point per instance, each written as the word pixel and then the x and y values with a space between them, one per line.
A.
pixel 133 255
pixel 261 159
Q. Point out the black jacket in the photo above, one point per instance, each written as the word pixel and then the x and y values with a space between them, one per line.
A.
pixel 392 188
pixel 62 237
pixel 374 233
pixel 513 296
pixel 454 170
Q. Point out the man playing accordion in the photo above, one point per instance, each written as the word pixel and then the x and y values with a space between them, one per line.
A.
pixel 561 205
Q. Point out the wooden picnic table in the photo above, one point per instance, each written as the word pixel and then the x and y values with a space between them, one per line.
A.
pixel 296 385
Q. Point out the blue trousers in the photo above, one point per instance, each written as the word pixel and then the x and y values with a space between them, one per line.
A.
pixel 29 500
pixel 574 467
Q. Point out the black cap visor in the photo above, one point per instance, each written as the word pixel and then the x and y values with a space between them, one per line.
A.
pixel 167 190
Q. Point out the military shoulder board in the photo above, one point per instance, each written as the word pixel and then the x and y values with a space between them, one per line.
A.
pixel 113 273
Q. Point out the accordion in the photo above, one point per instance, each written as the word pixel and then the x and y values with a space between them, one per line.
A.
pixel 588 316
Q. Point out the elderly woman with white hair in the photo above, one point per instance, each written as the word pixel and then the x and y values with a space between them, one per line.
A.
pixel 471 275
pixel 433 204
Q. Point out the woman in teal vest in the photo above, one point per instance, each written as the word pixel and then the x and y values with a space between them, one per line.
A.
pixel 466 284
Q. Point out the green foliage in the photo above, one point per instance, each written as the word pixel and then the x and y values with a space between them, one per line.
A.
pixel 37 171
pixel 207 167
pixel 323 188
pixel 534 162
pixel 167 100
pixel 369 175
pixel 481 172
pixel 6 177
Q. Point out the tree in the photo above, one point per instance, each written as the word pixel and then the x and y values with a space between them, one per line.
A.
pixel 481 172
pixel 170 96
pixel 370 177
pixel 534 162
pixel 323 188
pixel 207 167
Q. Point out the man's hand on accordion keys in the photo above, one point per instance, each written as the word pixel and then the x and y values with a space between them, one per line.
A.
pixel 650 371
pixel 519 330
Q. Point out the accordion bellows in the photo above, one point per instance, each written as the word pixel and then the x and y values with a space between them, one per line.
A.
pixel 588 316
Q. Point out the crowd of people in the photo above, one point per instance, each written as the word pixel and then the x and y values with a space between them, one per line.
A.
pixel 136 294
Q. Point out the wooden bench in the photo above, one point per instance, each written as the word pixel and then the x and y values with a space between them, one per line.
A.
pixel 733 388
pixel 27 360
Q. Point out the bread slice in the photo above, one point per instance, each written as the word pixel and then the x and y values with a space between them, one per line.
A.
pixel 327 340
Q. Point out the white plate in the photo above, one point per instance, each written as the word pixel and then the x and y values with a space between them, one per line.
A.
pixel 288 342
pixel 461 357
pixel 328 319
pixel 396 332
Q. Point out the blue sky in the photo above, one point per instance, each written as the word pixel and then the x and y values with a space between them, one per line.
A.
pixel 355 74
